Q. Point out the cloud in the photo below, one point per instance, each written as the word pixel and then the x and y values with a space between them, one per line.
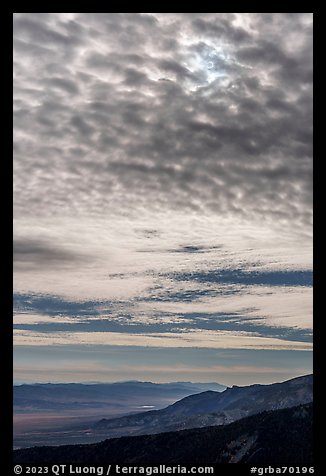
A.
pixel 250 278
pixel 32 253
pixel 219 121
pixel 133 325
pixel 163 179
pixel 55 305
pixel 222 29
pixel 197 339
pixel 281 312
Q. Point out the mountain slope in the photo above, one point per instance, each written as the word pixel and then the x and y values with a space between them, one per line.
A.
pixel 281 437
pixel 212 408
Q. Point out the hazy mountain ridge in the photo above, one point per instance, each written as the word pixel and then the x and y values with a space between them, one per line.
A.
pixel 49 394
pixel 212 408
pixel 282 436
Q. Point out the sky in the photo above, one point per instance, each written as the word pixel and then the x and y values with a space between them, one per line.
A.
pixel 162 197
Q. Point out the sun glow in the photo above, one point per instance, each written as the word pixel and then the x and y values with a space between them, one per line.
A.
pixel 209 64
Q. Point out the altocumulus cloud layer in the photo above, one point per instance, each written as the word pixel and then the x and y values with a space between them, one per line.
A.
pixel 207 112
pixel 163 166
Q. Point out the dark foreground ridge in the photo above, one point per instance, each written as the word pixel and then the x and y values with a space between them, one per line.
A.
pixel 282 437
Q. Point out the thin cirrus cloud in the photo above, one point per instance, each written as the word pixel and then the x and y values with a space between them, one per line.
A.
pixel 208 339
pixel 163 180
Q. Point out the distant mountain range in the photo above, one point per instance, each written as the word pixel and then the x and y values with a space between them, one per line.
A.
pixel 280 436
pixel 211 408
pixel 123 396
